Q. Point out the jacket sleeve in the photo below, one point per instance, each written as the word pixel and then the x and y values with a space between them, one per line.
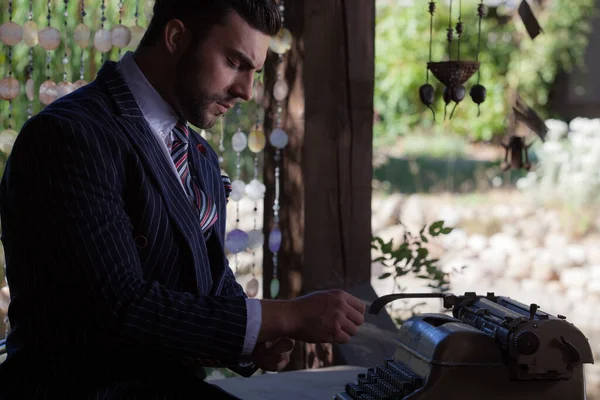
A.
pixel 63 183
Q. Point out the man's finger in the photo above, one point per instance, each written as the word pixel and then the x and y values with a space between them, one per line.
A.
pixel 283 345
pixel 349 327
pixel 355 316
pixel 357 304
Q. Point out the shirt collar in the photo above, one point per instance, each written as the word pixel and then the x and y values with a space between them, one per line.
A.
pixel 156 110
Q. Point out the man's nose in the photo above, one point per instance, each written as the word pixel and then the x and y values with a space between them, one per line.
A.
pixel 243 88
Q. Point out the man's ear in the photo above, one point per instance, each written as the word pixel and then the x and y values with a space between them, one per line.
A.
pixel 176 37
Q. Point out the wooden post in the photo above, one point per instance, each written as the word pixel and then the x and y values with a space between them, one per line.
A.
pixel 326 172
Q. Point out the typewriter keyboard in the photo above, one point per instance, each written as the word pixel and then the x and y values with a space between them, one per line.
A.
pixel 388 381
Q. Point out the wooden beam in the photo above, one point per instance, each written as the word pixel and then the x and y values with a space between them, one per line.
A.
pixel 326 173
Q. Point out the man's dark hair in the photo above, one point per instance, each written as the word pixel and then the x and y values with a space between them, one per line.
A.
pixel 201 15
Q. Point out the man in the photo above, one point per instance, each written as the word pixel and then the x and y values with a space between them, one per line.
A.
pixel 113 218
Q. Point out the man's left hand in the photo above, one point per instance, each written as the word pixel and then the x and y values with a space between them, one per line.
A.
pixel 273 355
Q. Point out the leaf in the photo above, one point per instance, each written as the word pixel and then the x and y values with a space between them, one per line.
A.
pixel 385 275
pixel 445 231
pixel 435 228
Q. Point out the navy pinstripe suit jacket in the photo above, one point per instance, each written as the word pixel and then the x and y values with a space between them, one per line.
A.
pixel 112 282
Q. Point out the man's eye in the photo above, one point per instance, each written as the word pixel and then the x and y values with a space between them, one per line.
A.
pixel 231 64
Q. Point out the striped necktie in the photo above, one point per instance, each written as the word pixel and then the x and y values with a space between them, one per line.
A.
pixel 179 154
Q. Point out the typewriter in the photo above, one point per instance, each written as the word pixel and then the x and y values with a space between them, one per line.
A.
pixel 492 347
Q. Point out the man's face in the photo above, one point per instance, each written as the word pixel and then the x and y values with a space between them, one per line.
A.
pixel 215 73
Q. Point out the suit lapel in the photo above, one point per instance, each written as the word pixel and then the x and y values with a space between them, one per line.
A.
pixel 182 212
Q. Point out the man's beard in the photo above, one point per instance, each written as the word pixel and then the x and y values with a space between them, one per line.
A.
pixel 193 101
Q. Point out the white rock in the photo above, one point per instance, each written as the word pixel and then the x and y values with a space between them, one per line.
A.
pixel 455 240
pixel 574 278
pixel 477 242
pixel 556 241
pixel 542 267
pixel 504 242
pixel 387 212
pixel 531 286
pixel 494 261
pixel 519 265
pixel 449 215
pixel 592 253
pixel 576 254
pixel 575 294
pixel 593 287
pixel 412 214
pixel 594 272
pixel 554 287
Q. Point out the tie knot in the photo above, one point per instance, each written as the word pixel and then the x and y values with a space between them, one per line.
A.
pixel 181 130
pixel 182 127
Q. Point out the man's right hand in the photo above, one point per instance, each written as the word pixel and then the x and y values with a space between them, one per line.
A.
pixel 331 316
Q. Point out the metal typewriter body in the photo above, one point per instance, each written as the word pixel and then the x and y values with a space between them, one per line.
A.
pixel 491 348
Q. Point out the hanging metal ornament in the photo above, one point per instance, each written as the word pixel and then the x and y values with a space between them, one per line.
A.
pixel 103 37
pixel 452 73
pixel 255 190
pixel 137 32
pixel 280 44
pixel 65 87
pixel 82 38
pixel 120 34
pixel 49 39
pixel 479 92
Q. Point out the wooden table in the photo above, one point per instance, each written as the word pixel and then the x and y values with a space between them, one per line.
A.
pixel 321 384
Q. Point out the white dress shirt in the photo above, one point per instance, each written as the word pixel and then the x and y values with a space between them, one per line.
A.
pixel 162 119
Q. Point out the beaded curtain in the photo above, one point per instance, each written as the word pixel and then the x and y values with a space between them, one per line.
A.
pixel 48 48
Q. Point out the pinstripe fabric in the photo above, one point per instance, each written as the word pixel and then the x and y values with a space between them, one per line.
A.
pixel 113 285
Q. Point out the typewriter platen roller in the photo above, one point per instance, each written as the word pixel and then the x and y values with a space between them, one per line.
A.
pixel 492 347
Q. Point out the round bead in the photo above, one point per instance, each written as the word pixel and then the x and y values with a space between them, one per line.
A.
pixel 121 36
pixel 281 43
pixel 278 138
pixel 103 40
pixel 255 190
pixel 280 90
pixel 274 288
pixel 49 38
pixel 30 33
pixel 252 287
pixel 9 88
pixel 11 33
pixel 82 36
pixel 79 83
pixel 274 240
pixel 238 189
pixel 48 92
pixel 239 141
pixel 63 89
pixel 255 239
pixel 137 32
pixel 236 241
pixel 30 89
pixel 258 91
pixel 256 141
pixel 7 140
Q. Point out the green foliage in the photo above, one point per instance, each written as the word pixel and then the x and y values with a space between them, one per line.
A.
pixel 562 46
pixel 412 257
pixel 509 60
pixel 436 146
